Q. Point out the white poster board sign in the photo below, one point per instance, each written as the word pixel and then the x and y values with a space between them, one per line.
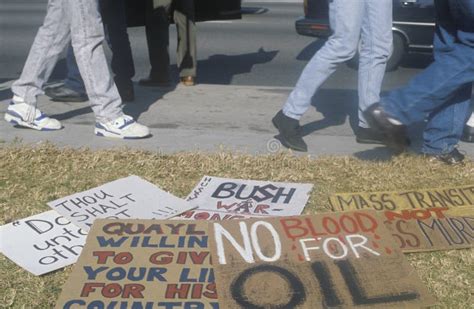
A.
pixel 127 198
pixel 42 243
pixel 250 197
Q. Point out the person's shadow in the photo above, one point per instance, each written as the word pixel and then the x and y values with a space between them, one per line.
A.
pixel 220 69
pixel 336 105
pixel 308 52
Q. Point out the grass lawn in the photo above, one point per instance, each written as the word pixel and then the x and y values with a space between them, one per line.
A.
pixel 30 177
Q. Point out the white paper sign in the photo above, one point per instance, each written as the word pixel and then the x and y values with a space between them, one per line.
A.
pixel 250 197
pixel 216 215
pixel 126 198
pixel 42 243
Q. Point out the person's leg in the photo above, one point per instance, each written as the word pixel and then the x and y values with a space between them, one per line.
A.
pixel 445 124
pixel 73 79
pixel 115 23
pixel 453 66
pixel 50 41
pixel 87 35
pixel 345 21
pixel 375 49
pixel 72 90
pixel 157 35
pixel 345 18
pixel 433 92
pixel 186 52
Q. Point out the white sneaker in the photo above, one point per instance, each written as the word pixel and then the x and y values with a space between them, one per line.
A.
pixel 122 127
pixel 25 115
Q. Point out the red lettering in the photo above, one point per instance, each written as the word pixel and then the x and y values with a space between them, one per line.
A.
pixel 327 222
pixel 344 224
pixel 102 256
pixel 90 287
pixel 111 290
pixel 181 292
pixel 261 209
pixel 293 228
pixel 133 290
pixel 161 258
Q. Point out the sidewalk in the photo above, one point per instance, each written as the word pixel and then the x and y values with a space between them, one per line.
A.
pixel 207 118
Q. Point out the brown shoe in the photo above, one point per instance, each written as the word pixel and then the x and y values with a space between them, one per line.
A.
pixel 188 80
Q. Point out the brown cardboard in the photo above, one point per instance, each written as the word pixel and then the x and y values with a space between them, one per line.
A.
pixel 350 261
pixel 156 258
pixel 411 199
pixel 432 229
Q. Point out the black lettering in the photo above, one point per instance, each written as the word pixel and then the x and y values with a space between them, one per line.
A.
pixel 225 190
pixel 326 285
pixel 298 295
pixel 359 296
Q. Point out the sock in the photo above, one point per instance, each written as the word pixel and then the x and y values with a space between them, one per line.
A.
pixel 470 122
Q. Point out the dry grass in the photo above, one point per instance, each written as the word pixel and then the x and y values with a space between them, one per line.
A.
pixel 30 177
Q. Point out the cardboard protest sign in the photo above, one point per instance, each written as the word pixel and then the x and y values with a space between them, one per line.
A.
pixel 431 229
pixel 126 198
pixel 42 243
pixel 336 260
pixel 250 197
pixel 410 199
pixel 143 264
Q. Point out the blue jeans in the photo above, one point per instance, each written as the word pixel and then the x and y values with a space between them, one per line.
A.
pixel 114 19
pixel 354 22
pixel 441 93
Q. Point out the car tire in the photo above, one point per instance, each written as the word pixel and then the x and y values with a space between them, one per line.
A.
pixel 399 51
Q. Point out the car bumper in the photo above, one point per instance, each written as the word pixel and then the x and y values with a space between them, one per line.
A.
pixel 313 27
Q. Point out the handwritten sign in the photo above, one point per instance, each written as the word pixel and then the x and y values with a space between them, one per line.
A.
pixel 411 199
pixel 143 264
pixel 203 214
pixel 250 197
pixel 42 243
pixel 431 229
pixel 326 261
pixel 126 198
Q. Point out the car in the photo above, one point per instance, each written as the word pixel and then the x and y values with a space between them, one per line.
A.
pixel 205 10
pixel 413 26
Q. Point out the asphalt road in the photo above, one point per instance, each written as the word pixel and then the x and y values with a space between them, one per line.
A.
pixel 262 49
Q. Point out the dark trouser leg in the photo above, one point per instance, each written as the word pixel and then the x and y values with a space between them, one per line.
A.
pixel 157 34
pixel 115 24
pixel 186 28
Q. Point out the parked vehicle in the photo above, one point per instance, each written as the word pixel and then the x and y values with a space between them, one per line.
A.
pixel 204 10
pixel 413 26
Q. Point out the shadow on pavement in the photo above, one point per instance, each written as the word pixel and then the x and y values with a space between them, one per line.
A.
pixel 336 105
pixel 376 154
pixel 308 52
pixel 220 69
pixel 145 97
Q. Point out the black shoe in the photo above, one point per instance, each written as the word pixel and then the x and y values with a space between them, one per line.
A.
pixel 394 135
pixel 452 158
pixel 65 94
pixel 125 89
pixel 468 134
pixel 289 129
pixel 369 136
pixel 155 82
